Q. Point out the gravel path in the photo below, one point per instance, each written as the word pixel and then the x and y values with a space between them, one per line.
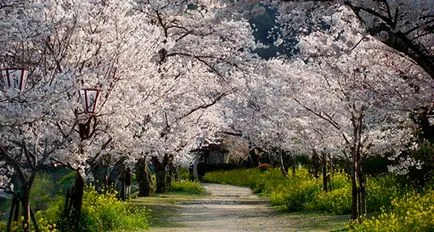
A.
pixel 229 208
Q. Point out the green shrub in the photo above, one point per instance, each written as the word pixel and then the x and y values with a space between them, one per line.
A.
pixel 187 187
pixel 184 174
pixel 66 181
pixel 413 212
pixel 340 180
pixel 42 192
pixel 295 196
pixel 43 225
pixel 381 191
pixel 303 192
pixel 240 177
pixel 259 182
pixel 100 212
pixel 337 201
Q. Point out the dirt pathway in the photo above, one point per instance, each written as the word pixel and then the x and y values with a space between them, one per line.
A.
pixel 230 208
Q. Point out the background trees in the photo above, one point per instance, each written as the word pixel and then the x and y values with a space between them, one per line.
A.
pixel 173 73
pixel 406 26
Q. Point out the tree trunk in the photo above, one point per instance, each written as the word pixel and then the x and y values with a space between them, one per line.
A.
pixel 358 188
pixel 161 181
pixel 161 171
pixel 144 178
pixel 282 164
pixel 361 183
pixel 77 200
pixel 324 171
pixel 170 175
pixel 25 207
pixel 354 190
pixel 315 163
pixel 25 201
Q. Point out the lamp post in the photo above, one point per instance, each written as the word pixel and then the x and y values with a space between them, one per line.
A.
pixel 14 78
pixel 89 98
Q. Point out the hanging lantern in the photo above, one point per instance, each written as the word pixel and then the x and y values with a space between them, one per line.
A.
pixel 90 97
pixel 14 78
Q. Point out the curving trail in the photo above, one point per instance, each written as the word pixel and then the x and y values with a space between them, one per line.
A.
pixel 231 208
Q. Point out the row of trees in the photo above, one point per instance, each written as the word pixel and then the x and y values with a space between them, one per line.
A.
pixel 346 93
pixel 158 66
pixel 173 73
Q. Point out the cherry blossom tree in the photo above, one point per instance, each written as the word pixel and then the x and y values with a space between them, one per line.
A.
pixel 29 115
pixel 364 103
pixel 357 102
pixel 404 25
pixel 67 57
pixel 200 59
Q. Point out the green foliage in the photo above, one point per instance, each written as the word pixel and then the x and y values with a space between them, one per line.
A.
pixel 260 182
pixel 337 201
pixel 340 180
pixel 297 191
pixel 184 174
pixel 100 212
pixel 43 225
pixel 295 195
pixel 381 191
pixel 303 192
pixel 413 212
pixel 291 193
pixel 66 181
pixel 41 192
pixel 187 187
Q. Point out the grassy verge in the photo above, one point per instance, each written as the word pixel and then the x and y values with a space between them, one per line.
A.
pixel 391 207
pixel 187 187
pixel 311 221
pixel 303 192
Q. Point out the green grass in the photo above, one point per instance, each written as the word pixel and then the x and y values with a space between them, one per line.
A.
pixel 187 187
pixel 413 212
pixel 308 221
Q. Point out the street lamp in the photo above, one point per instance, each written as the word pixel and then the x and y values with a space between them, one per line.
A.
pixel 14 78
pixel 90 96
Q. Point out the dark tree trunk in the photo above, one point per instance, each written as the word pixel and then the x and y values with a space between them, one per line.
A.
pixel 77 199
pixel 354 190
pixel 358 187
pixel 144 179
pixel 361 185
pixel 162 169
pixel 315 163
pixel 324 171
pixel 24 199
pixel 170 175
pixel 282 164
pixel 161 181
pixel 25 207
